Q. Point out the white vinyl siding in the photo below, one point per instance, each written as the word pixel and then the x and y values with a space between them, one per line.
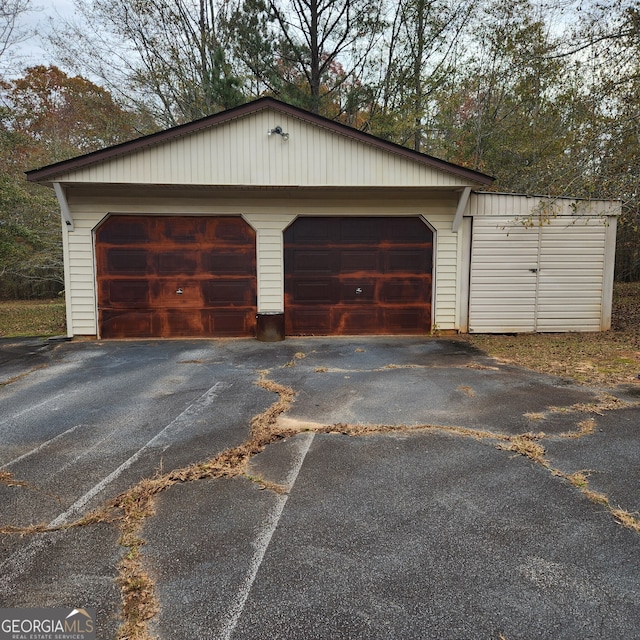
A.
pixel 530 274
pixel 241 153
pixel 80 289
pixel 270 265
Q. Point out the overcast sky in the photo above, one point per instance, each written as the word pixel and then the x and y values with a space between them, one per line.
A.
pixel 39 21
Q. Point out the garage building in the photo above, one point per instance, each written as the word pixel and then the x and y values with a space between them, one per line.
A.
pixel 269 216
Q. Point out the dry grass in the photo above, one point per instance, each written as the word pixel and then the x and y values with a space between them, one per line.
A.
pixel 597 359
pixel 297 356
pixel 626 519
pixel 604 402
pixel 580 481
pixel 32 318
pixel 139 602
pixel 527 445
pixel 267 484
pixel 7 479
pixel 585 428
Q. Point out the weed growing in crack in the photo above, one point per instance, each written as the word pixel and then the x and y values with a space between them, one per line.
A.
pixel 577 479
pixel 25 531
pixel 527 445
pixel 20 376
pixel 604 402
pixel 585 428
pixel 130 510
pixel 481 367
pixel 626 519
pixel 297 356
pixel 8 480
pixel 580 480
pixel 139 603
pixel 595 496
pixel 468 391
pixel 266 484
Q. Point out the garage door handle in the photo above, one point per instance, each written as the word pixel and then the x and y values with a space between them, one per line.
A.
pixel 533 270
pixel 179 291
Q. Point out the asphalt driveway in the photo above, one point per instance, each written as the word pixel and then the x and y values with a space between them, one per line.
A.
pixel 411 488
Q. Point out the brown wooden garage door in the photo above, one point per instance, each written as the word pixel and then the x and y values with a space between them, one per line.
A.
pixel 181 276
pixel 358 276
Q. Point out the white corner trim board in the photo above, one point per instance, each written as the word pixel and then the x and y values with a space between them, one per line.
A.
pixel 462 205
pixel 64 205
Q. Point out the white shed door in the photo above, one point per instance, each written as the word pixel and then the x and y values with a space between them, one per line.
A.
pixel 547 278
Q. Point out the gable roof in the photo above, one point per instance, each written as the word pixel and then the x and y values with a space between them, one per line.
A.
pixel 76 167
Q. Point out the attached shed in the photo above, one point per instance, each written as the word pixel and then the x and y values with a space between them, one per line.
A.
pixel 269 216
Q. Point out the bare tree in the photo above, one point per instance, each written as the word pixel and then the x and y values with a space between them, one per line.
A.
pixel 167 56
pixel 12 32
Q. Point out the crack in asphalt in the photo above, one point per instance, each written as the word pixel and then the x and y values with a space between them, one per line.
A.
pixel 130 510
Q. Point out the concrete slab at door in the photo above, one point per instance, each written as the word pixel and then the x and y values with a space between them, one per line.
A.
pixel 358 275
pixel 176 276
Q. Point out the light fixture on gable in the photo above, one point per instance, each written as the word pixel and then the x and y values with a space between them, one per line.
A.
pixel 278 130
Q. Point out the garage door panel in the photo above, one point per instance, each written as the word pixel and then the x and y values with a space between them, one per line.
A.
pixel 182 231
pixel 309 231
pixel 362 260
pixel 311 321
pixel 179 324
pixel 312 261
pixel 177 262
pixel 227 231
pixel 194 276
pixel 410 261
pixel 133 324
pixel 405 320
pixel 378 275
pixel 345 321
pixel 178 293
pixel 403 230
pixel 358 291
pixel 229 262
pixel 134 232
pixel 400 290
pixel 313 291
pixel 126 293
pixel 228 292
pixel 226 322
pixel 127 261
pixel 359 231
